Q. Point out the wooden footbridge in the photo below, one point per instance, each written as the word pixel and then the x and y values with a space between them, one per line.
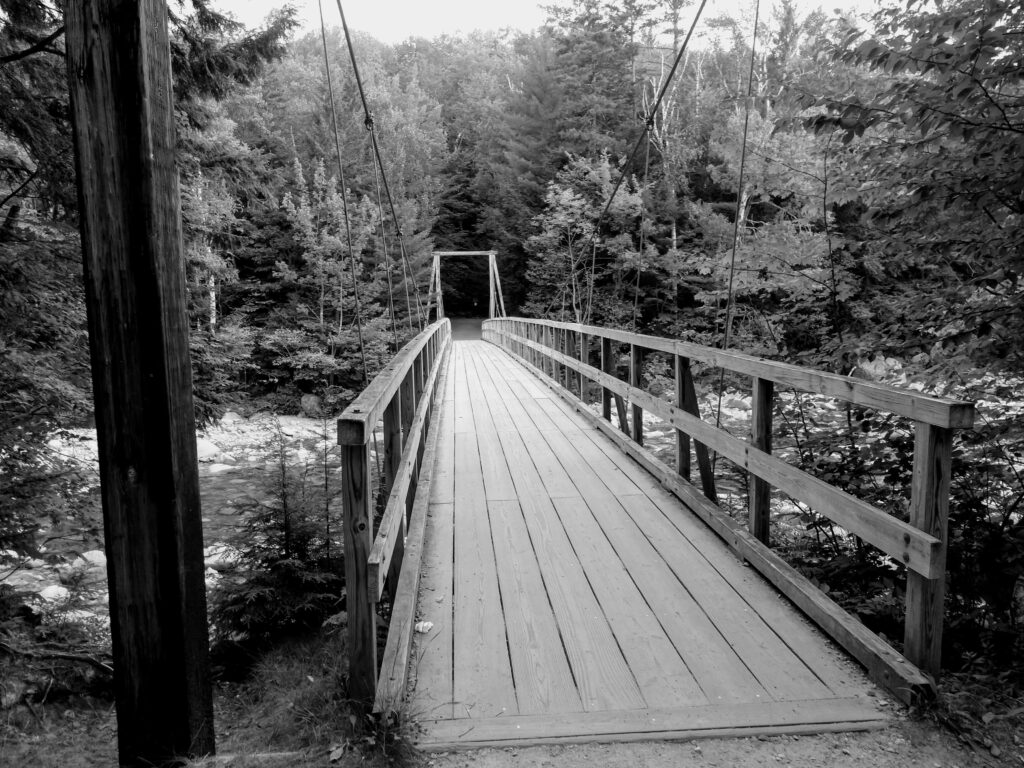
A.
pixel 551 580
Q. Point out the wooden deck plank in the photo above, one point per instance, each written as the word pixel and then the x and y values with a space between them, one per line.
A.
pixel 771 661
pixel 602 676
pixel 442 489
pixel 584 602
pixel 810 645
pixel 675 723
pixel 776 666
pixel 497 477
pixel 482 671
pixel 432 652
pixel 660 671
pixel 542 678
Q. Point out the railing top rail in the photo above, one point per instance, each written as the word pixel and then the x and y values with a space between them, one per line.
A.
pixel 938 411
pixel 356 423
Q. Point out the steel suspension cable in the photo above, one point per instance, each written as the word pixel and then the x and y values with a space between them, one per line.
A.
pixel 640 265
pixel 644 136
pixel 387 259
pixel 344 199
pixel 370 126
pixel 740 203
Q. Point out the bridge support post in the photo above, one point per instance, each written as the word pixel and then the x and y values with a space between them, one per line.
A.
pixel 759 506
pixel 682 370
pixel 122 112
pixel 393 445
pixel 636 361
pixel 358 537
pixel 607 367
pixel 929 509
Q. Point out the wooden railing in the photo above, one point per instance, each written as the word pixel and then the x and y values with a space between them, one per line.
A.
pixel 404 396
pixel 562 352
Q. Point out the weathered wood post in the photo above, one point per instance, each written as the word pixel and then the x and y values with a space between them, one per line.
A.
pixel 358 538
pixel 122 110
pixel 759 507
pixel 407 404
pixel 607 366
pixel 393 445
pixel 682 370
pixel 929 508
pixel 636 361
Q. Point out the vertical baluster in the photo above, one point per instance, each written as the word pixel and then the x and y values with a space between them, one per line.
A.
pixel 636 360
pixel 759 520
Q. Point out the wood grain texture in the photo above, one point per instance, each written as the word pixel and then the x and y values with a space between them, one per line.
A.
pixel 432 650
pixel 360 605
pixel 929 509
pixel 540 669
pixel 682 723
pixel 122 114
pixel 483 679
pixel 759 504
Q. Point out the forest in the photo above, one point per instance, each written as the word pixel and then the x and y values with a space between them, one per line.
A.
pixel 876 230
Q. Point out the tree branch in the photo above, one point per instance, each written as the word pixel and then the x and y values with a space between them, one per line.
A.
pixel 41 47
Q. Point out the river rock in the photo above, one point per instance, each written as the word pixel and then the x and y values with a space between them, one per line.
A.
pixel 311 406
pixel 231 418
pixel 95 558
pixel 54 593
pixel 206 449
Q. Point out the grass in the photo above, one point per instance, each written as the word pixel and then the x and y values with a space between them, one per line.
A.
pixel 291 712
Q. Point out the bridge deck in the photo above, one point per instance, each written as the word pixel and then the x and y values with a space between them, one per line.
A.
pixel 572 598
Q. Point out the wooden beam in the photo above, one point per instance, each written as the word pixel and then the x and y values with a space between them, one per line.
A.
pixel 388 540
pixel 394 668
pixel 362 619
pixel 759 505
pixel 939 411
pixel 929 509
pixel 356 424
pixel 682 368
pixel 465 253
pixel 122 113
pixel 636 361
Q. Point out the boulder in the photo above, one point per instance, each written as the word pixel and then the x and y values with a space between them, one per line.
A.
pixel 221 557
pixel 206 449
pixel 231 418
pixel 54 593
pixel 95 558
pixel 311 406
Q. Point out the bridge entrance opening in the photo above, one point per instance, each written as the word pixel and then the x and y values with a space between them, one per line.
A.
pixel 461 295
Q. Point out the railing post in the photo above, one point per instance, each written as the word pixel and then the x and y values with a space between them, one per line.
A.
pixel 606 367
pixel 929 509
pixel 407 400
pixel 682 369
pixel 362 623
pixel 392 462
pixel 584 357
pixel 636 361
pixel 759 519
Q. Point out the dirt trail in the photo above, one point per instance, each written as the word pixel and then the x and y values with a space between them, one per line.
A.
pixel 905 744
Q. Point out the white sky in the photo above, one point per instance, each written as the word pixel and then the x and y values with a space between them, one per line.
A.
pixel 392 21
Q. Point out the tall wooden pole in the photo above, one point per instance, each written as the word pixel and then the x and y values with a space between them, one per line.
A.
pixel 119 74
